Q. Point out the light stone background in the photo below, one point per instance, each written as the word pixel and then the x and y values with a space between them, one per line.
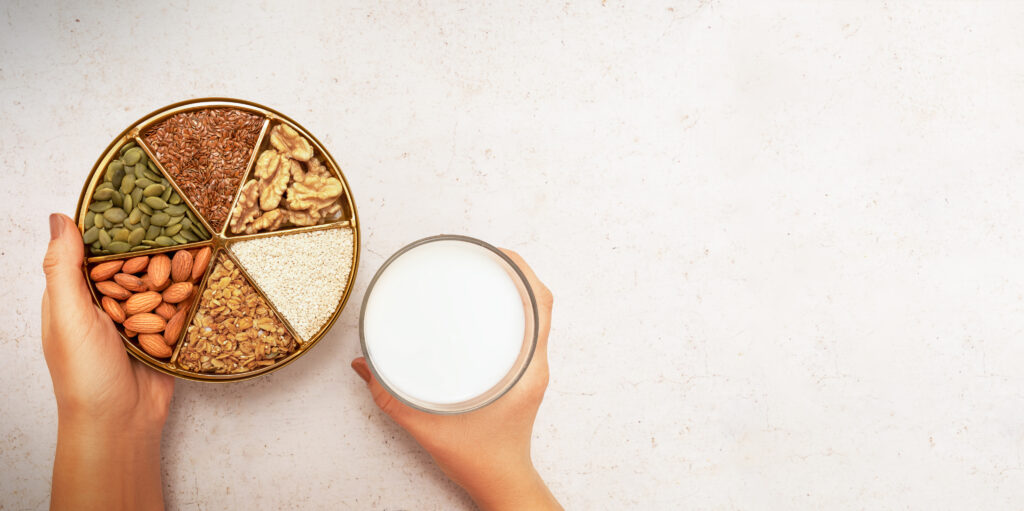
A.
pixel 784 238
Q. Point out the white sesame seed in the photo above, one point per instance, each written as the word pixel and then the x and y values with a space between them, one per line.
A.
pixel 304 275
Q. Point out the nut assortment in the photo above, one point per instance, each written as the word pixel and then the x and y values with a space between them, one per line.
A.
pixel 291 187
pixel 188 300
pixel 135 208
pixel 150 296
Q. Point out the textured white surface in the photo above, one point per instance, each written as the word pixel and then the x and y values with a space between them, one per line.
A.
pixel 784 239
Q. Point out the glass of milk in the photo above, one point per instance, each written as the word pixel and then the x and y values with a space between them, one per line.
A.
pixel 448 324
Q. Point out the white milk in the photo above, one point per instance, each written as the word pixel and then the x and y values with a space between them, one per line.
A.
pixel 444 322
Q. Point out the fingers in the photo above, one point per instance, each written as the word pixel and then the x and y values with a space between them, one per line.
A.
pixel 65 284
pixel 385 401
pixel 545 300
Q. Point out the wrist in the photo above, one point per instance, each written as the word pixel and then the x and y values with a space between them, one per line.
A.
pixel 516 488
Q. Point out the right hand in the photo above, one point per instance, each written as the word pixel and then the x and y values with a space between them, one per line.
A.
pixel 486 451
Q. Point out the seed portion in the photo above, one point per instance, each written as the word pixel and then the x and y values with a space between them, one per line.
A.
pixel 234 330
pixel 145 301
pixel 135 208
pixel 206 152
pixel 304 274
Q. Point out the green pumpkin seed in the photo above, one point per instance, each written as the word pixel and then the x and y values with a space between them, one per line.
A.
pixel 188 235
pixel 164 241
pixel 175 220
pixel 89 219
pixel 186 223
pixel 135 216
pixel 160 219
pixel 117 199
pixel 145 208
pixel 126 147
pixel 120 234
pixel 150 243
pixel 128 183
pixel 137 172
pixel 91 235
pixel 155 202
pixel 137 193
pixel 116 179
pixel 151 165
pixel 119 247
pixel 101 206
pixel 103 194
pixel 152 176
pixel 167 194
pixel 153 190
pixel 132 156
pixel 174 199
pixel 152 232
pixel 171 230
pixel 145 220
pixel 179 238
pixel 115 215
pixel 127 204
pixel 97 221
pixel 104 238
pixel 140 247
pixel 143 183
pixel 96 246
pixel 107 224
pixel 105 186
pixel 136 236
pixel 140 168
pixel 113 168
pixel 175 210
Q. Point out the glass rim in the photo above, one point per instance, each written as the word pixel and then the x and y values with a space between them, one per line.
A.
pixel 506 383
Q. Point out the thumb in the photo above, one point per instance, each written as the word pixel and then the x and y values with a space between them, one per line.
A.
pixel 65 284
pixel 385 401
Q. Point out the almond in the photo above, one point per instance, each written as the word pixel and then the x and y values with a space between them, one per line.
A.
pixel 158 271
pixel 181 266
pixel 130 333
pixel 145 323
pixel 174 327
pixel 113 309
pixel 112 289
pixel 149 284
pixel 188 302
pixel 202 259
pixel 142 302
pixel 104 271
pixel 177 292
pixel 135 264
pixel 165 310
pixel 154 345
pixel 130 282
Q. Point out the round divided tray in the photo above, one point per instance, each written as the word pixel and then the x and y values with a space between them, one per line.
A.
pixel 221 237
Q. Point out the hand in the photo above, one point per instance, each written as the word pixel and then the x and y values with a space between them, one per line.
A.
pixel 111 409
pixel 486 451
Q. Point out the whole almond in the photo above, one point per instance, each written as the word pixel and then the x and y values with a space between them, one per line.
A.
pixel 145 323
pixel 149 284
pixel 104 271
pixel 135 264
pixel 177 292
pixel 130 282
pixel 174 327
pixel 154 345
pixel 158 271
pixel 130 333
pixel 165 310
pixel 142 302
pixel 181 266
pixel 201 260
pixel 113 290
pixel 113 309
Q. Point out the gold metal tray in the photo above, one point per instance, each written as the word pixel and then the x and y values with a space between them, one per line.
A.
pixel 220 240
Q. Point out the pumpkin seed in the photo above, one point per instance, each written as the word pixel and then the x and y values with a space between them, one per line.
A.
pixel 97 221
pixel 115 215
pixel 117 199
pixel 151 165
pixel 107 224
pixel 103 194
pixel 160 219
pixel 137 172
pixel 113 168
pixel 175 210
pixel 137 236
pixel 152 232
pixel 135 216
pixel 126 147
pixel 100 206
pixel 117 177
pixel 141 182
pixel 150 243
pixel 119 247
pixel 186 223
pixel 167 194
pixel 120 234
pixel 155 202
pixel 188 235
pixel 105 186
pixel 132 156
pixel 171 230
pixel 153 190
pixel 91 235
pixel 164 241
pixel 145 220
pixel 128 203
pixel 150 175
pixel 174 199
pixel 145 208
pixel 175 220
pixel 179 238
pixel 104 238
pixel 128 183
pixel 137 193
pixel 140 247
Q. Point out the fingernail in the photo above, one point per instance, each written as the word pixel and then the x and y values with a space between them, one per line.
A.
pixel 359 366
pixel 55 226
